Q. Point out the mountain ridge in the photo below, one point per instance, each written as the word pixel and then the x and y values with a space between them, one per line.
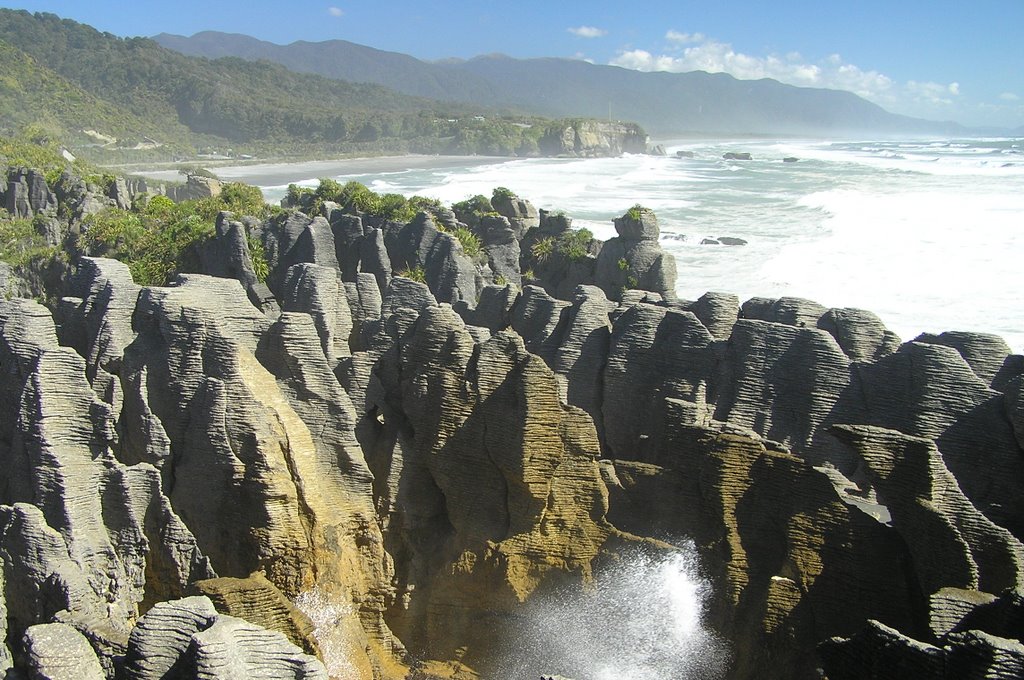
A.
pixel 664 103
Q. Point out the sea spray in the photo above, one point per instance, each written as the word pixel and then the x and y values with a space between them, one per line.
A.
pixel 641 619
pixel 331 621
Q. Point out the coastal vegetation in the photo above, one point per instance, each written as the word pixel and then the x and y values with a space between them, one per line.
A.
pixel 122 100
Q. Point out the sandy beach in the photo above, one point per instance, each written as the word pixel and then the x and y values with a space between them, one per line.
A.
pixel 274 174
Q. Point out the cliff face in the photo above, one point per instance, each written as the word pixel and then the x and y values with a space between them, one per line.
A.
pixel 593 138
pixel 388 474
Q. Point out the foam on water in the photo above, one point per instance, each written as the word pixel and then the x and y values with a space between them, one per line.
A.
pixel 642 620
pixel 927 233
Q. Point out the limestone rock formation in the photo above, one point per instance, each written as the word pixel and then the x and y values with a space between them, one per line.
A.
pixel 634 260
pixel 592 138
pixel 187 638
pixel 56 650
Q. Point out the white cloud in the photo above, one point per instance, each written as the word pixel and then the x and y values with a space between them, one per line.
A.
pixel 335 11
pixel 677 37
pixel 1009 97
pixel 696 52
pixel 588 32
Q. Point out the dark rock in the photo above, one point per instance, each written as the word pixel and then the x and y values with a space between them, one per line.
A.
pixel 984 353
pixel 684 154
pixel 731 241
pixel 953 544
pixel 790 159
pixel 718 312
pixel 641 226
pixel 787 310
pixel 737 156
pixel 879 652
pixel 522 216
pixel 666 350
pixel 861 334
pixel 710 242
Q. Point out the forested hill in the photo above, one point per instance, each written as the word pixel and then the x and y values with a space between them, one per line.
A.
pixel 663 103
pixel 133 88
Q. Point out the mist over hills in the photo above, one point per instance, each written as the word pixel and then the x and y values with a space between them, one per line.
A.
pixel 664 103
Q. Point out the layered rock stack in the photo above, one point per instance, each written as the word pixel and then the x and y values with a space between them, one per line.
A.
pixel 347 472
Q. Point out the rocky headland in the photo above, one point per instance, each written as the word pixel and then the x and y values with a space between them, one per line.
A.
pixel 365 454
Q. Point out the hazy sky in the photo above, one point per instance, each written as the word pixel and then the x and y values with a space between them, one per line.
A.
pixel 942 59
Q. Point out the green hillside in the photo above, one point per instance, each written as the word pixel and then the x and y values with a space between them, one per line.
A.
pixel 31 94
pixel 134 88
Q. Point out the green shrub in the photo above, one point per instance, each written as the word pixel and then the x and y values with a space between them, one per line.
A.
pixel 260 266
pixel 415 274
pixel 623 264
pixel 637 212
pixel 243 199
pixel 470 241
pixel 575 244
pixel 21 242
pixel 502 194
pixel 543 249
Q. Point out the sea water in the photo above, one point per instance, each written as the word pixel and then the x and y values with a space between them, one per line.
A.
pixel 928 234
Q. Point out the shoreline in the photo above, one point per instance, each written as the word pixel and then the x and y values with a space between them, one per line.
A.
pixel 279 173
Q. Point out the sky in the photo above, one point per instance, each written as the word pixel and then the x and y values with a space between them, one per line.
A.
pixel 938 59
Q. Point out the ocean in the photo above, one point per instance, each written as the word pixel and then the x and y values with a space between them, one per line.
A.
pixel 929 235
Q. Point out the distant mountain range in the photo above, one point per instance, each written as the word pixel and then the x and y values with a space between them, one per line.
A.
pixel 664 103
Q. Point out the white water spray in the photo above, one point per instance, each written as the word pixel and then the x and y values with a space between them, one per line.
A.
pixel 641 620
pixel 330 631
